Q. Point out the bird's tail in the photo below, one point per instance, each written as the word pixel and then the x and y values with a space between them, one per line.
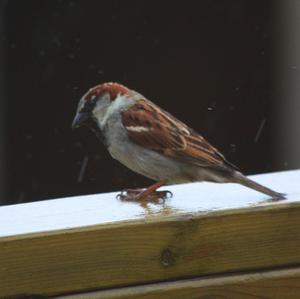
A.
pixel 241 179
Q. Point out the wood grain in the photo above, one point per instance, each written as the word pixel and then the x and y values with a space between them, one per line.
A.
pixel 147 251
pixel 279 284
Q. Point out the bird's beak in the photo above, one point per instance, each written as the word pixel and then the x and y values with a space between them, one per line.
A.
pixel 80 119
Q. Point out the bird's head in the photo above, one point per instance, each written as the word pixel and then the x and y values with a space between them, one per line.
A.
pixel 95 106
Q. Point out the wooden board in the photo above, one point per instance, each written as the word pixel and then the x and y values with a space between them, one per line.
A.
pixel 167 244
pixel 279 284
pixel 143 252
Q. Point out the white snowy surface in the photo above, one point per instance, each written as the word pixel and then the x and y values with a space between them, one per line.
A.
pixel 81 211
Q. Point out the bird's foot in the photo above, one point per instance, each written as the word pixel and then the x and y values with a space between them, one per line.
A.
pixel 129 194
pixel 142 195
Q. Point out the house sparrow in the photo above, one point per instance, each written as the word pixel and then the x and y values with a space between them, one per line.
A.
pixel 152 142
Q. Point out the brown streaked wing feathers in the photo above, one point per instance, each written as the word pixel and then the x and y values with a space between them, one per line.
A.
pixel 158 137
pixel 168 135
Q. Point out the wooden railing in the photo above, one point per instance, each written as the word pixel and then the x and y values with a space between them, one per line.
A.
pixel 208 241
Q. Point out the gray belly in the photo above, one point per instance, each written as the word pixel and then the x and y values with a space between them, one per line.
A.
pixel 146 162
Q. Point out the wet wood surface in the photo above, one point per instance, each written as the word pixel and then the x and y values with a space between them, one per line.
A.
pixel 93 242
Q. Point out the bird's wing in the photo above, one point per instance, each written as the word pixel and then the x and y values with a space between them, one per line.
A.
pixel 155 129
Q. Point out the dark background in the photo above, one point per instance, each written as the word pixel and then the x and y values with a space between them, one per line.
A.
pixel 210 63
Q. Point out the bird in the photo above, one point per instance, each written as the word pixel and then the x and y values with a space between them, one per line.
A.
pixel 153 143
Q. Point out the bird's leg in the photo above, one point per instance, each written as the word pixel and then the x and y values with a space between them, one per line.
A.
pixel 149 193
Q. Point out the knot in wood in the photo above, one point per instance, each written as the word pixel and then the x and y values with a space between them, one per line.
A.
pixel 167 258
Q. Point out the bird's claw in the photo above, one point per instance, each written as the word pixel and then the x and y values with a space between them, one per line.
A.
pixel 126 193
pixel 133 195
pixel 168 194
